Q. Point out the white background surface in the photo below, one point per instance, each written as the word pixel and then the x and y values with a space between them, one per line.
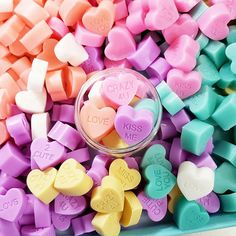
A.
pixel 222 232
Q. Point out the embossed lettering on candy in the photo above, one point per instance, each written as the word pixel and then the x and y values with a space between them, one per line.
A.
pixel 133 126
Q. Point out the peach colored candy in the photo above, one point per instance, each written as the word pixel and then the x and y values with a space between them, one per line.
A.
pixel 75 77
pixel 52 7
pixel 71 11
pixel 31 12
pixel 4 104
pixel 8 83
pixel 48 55
pixel 12 58
pixel 87 38
pixel 3 51
pixel 6 6
pixel 36 36
pixel 58 27
pixel 4 135
pixel 5 16
pixel 98 1
pixel 55 84
pixel 40 2
pixel 5 65
pixel 10 30
pixel 13 74
pixel 21 65
pixel 100 19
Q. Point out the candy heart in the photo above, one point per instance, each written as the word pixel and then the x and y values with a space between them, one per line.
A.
pixel 230 53
pixel 185 5
pixel 160 181
pixel 95 95
pixel 174 195
pixel 61 222
pixel 210 202
pixel 48 55
pixel 119 91
pixel 47 154
pixel 115 50
pixel 67 205
pixel 72 180
pixel 33 231
pixel 109 197
pixel 156 155
pixel 182 53
pixel 227 77
pixel 100 19
pixel 156 209
pixel 133 126
pixel 161 15
pixel 214 22
pixel 12 204
pixel 230 4
pixel 68 50
pixel 184 84
pixel 31 102
pixel 129 178
pixel 97 123
pixel 195 182
pixel 40 183
pixel 184 25
pixel 190 215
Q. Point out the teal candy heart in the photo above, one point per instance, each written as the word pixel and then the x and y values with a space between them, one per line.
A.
pixel 231 54
pixel 190 215
pixel 156 155
pixel 203 103
pixel 160 181
pixel 231 38
pixel 227 78
pixel 148 104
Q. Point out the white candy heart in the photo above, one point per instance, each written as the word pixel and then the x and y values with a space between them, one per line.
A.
pixel 95 95
pixel 68 50
pixel 6 6
pixel 31 102
pixel 195 182
pixel 41 120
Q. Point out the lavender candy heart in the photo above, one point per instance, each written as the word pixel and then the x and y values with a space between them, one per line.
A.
pixel 68 205
pixel 210 202
pixel 133 126
pixel 156 208
pixel 30 230
pixel 26 220
pixel 81 155
pixel 97 173
pixel 9 228
pixel 61 222
pixel 9 182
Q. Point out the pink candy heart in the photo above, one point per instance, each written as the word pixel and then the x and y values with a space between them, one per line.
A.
pixel 115 49
pixel 184 84
pixel 185 5
pixel 12 205
pixel 47 154
pixel 156 208
pixel 133 126
pixel 119 91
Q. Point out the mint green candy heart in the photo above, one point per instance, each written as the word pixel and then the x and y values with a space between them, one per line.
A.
pixel 156 155
pixel 231 54
pixel 189 214
pixel 227 78
pixel 231 38
pixel 160 181
pixel 208 70
pixel 202 40
pixel 148 104
pixel 203 103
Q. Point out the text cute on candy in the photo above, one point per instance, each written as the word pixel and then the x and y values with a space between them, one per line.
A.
pixel 175 54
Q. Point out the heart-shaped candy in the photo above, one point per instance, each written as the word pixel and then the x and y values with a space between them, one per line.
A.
pixel 100 19
pixel 12 204
pixel 97 123
pixel 119 91
pixel 211 202
pixel 47 154
pixel 133 126
pixel 72 180
pixel 160 181
pixel 33 231
pixel 156 208
pixel 195 182
pixel 31 102
pixel 190 215
pixel 109 197
pixel 184 84
pixel 48 55
pixel 117 51
pixel 174 195
pixel 61 222
pixel 129 178
pixel 68 50
pixel 156 155
pixel 227 77
pixel 230 53
pixel 67 205
pixel 214 22
pixel 40 183
pixel 185 5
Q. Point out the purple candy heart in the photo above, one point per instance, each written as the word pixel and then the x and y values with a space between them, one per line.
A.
pixel 47 154
pixel 61 222
pixel 133 126
pixel 67 205
pixel 156 208
pixel 30 230
pixel 210 202
pixel 12 205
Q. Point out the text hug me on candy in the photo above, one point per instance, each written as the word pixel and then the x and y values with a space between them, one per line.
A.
pixel 56 101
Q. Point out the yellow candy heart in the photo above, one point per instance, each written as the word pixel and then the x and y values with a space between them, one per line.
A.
pixel 230 90
pixel 109 197
pixel 107 224
pixel 132 210
pixel 40 183
pixel 174 195
pixel 129 178
pixel 72 180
